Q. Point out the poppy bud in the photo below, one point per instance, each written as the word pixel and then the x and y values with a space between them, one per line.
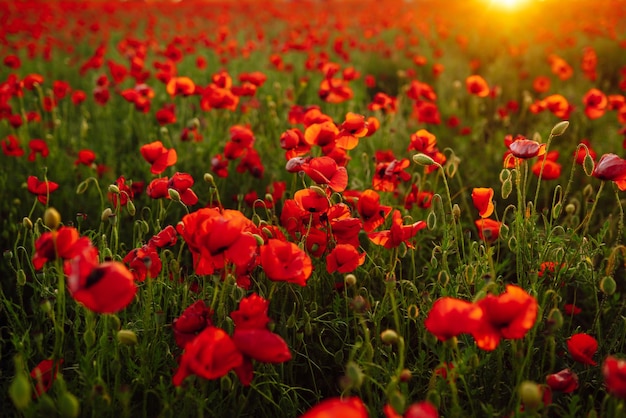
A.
pixel 431 220
pixel 423 159
pixel 82 187
pixel 456 211
pixel 570 208
pixel 350 280
pixel 106 214
pixel 389 336
pixel 68 405
pixel 507 188
pixel 588 164
pixel 560 128
pixel 27 223
pixel 89 337
pixel 114 189
pixel 608 285
pixel 405 375
pixel 126 337
pixel 555 319
pixel 174 195
pixel 259 239
pixel 530 394
pixel 8 255
pixel 354 374
pixel 21 277
pixel 51 218
pixel 130 207
pixel 318 190
pixel 208 178
pixel 556 210
pixel 20 391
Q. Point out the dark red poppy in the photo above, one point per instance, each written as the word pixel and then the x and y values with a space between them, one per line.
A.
pixel 510 315
pixel 261 345
pixel 252 313
pixel 211 355
pixel 85 157
pixel 193 320
pixel 12 61
pixel 11 146
pixel 422 198
pixel 582 347
pixel 143 262
pixel 285 261
pixel 614 373
pixel 125 193
pixel 41 189
pixel 450 317
pixel 613 168
pixel 44 374
pixel 37 146
pixel 526 148
pixel 103 288
pixel 565 381
pixel 158 156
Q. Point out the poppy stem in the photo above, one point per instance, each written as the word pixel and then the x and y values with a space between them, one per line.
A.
pixel 593 208
pixel 59 318
pixel 543 164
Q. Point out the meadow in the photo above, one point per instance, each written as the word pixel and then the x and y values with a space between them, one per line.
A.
pixel 312 208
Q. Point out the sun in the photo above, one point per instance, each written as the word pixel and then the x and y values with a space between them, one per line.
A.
pixel 507 4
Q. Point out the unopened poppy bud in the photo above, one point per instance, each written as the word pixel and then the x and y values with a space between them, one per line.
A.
pixel 267 232
pixel 431 220
pixel 20 391
pixel 193 123
pixel 114 189
pixel 405 375
pixel 556 210
pixel 51 218
pixel 82 187
pixel 259 239
pixel 608 285
pixel 555 319
pixel 27 223
pixel 355 374
pixel 507 188
pixel 456 211
pixel 8 255
pixel 423 159
pixel 126 337
pixel 530 394
pixel 269 197
pixel 89 337
pixel 115 322
pixel 130 207
pixel 68 405
pixel 588 164
pixel 350 280
pixel 21 277
pixel 174 195
pixel 389 336
pixel 208 178
pixel 359 304
pixel 397 400
pixel 570 208
pixel 588 192
pixel 560 128
pixel 106 214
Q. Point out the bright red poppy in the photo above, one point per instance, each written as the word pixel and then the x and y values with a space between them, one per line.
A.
pixel 582 347
pixel 596 103
pixel 398 233
pixel 565 381
pixel 285 261
pixel 252 313
pixel 371 211
pixel 477 86
pixel 324 170
pixel 344 258
pixel 483 201
pixel 65 243
pixel 510 315
pixel 44 374
pixel 352 407
pixel 41 189
pixel 11 146
pixel 158 156
pixel 450 317
pixel 614 372
pixel 103 288
pixel 180 86
pixel 85 157
pixel 211 355
pixel 551 168
pixel 143 262
pixel 488 229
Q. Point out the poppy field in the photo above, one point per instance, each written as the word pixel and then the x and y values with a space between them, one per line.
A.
pixel 313 208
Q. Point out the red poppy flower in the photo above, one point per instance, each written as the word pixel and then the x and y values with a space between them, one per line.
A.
pixel 322 134
pixel 143 262
pixel 422 409
pixel 183 86
pixel 261 345
pixel 526 148
pixel 293 142
pixel 582 348
pixel 488 229
pixel 285 261
pixel 551 169
pixel 450 317
pixel 611 167
pixel 614 372
pixel 344 258
pixel 560 67
pixel 371 211
pixel 165 116
pixel 44 374
pixel 37 146
pixel 384 102
pixel 565 381
pixel 103 288
pixel 510 315
pixel 125 193
pixel 483 201
pixel 595 102
pixel 85 157
pixel 312 202
pixel 252 313
pixel 194 319
pixel 580 154
pixel 324 170
pixel 12 61
pixel 423 141
pixel 11 147
pixel 41 189
pixel 422 198
pixel 541 84
pixel 158 156
pixel 388 175
pixel 60 89
pixel 352 407
pixel 477 86
pixel 65 243
pixel 398 233
pixel 211 355
pixel 78 96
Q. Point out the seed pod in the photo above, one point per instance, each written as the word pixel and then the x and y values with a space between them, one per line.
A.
pixel 560 128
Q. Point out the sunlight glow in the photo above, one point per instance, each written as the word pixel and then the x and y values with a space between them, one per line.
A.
pixel 508 4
